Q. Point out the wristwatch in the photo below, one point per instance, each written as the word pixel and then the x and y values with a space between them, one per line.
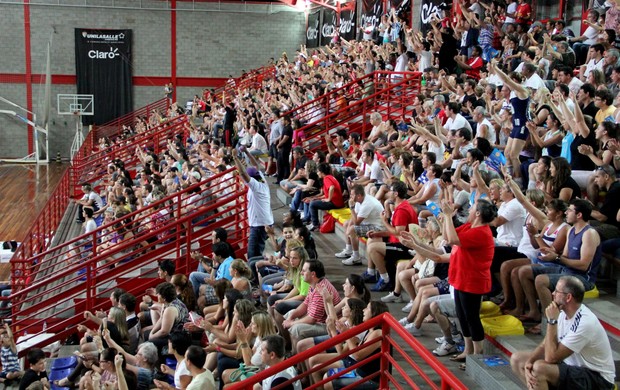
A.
pixel 551 321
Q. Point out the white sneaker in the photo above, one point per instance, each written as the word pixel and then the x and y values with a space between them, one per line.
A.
pixel 407 307
pixel 352 261
pixel 343 254
pixel 391 297
pixel 445 349
pixel 413 330
pixel 456 338
pixel 403 321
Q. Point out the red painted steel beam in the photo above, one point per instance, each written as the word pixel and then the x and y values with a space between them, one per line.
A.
pixel 28 58
pixel 173 48
pixel 140 81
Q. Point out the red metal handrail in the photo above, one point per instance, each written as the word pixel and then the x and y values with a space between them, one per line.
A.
pixel 52 299
pixel 134 139
pixel 41 234
pixel 253 79
pixel 94 168
pixel 115 126
pixel 391 355
pixel 391 97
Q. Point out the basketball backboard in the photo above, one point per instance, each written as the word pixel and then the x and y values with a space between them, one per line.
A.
pixel 75 104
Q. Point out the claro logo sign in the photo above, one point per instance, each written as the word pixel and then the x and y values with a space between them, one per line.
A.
pixel 104 55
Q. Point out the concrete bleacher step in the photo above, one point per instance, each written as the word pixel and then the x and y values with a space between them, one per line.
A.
pixel 529 342
pixel 492 377
pixel 607 310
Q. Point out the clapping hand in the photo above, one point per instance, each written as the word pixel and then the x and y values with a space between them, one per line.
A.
pixel 447 208
pixel 327 296
pixel 243 334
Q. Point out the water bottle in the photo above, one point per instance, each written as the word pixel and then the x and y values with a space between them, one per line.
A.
pixel 44 326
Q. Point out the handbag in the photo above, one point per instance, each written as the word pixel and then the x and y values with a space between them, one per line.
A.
pixel 329 224
pixel 243 372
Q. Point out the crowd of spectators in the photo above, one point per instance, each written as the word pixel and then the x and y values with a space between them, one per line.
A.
pixel 499 180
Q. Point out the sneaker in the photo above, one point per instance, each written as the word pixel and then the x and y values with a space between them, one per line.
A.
pixel 445 349
pixel 344 254
pixel 311 227
pixel 368 278
pixel 392 297
pixel 403 321
pixel 456 338
pixel 381 285
pixel 352 261
pixel 413 330
pixel 407 307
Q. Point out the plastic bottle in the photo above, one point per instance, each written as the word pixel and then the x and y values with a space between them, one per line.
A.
pixel 44 326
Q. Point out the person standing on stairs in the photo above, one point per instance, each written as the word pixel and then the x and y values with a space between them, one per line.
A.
pixel 259 203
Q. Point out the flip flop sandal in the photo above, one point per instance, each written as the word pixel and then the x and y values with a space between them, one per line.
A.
pixel 456 358
pixel 462 367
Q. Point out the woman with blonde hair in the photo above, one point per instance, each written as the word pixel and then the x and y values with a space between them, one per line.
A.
pixel 261 326
pixel 241 275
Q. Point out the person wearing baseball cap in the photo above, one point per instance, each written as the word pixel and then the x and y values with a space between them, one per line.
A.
pixel 259 202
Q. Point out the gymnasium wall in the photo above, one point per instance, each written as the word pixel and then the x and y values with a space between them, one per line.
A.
pixel 213 40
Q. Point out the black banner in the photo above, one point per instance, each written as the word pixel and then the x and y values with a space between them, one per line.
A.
pixel 347 24
pixel 313 30
pixel 328 28
pixel 427 10
pixel 103 69
pixel 371 15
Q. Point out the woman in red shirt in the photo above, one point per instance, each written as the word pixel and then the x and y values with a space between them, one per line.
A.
pixel 329 200
pixel 470 269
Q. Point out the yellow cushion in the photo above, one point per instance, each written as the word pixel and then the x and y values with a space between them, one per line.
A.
pixel 504 325
pixel 489 309
pixel 341 215
pixel 592 293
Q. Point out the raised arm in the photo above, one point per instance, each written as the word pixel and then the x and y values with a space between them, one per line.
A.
pixel 520 90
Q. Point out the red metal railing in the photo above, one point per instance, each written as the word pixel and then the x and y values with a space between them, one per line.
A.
pixel 392 355
pixel 41 234
pixel 115 127
pixel 389 93
pixel 253 79
pixel 77 275
pixel 94 167
pixel 92 154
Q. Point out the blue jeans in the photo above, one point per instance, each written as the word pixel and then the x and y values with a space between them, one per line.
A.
pixel 296 202
pixel 256 242
pixel 197 279
pixel 317 205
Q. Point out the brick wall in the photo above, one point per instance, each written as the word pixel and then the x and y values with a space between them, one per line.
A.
pixel 213 40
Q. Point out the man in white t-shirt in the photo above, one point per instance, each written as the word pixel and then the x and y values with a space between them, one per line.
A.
pixel 575 352
pixel 90 199
pixel 455 120
pixel 272 353
pixel 365 216
pixel 532 79
pixel 371 169
pixel 511 10
pixel 259 203
pixel 596 61
pixel 484 127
